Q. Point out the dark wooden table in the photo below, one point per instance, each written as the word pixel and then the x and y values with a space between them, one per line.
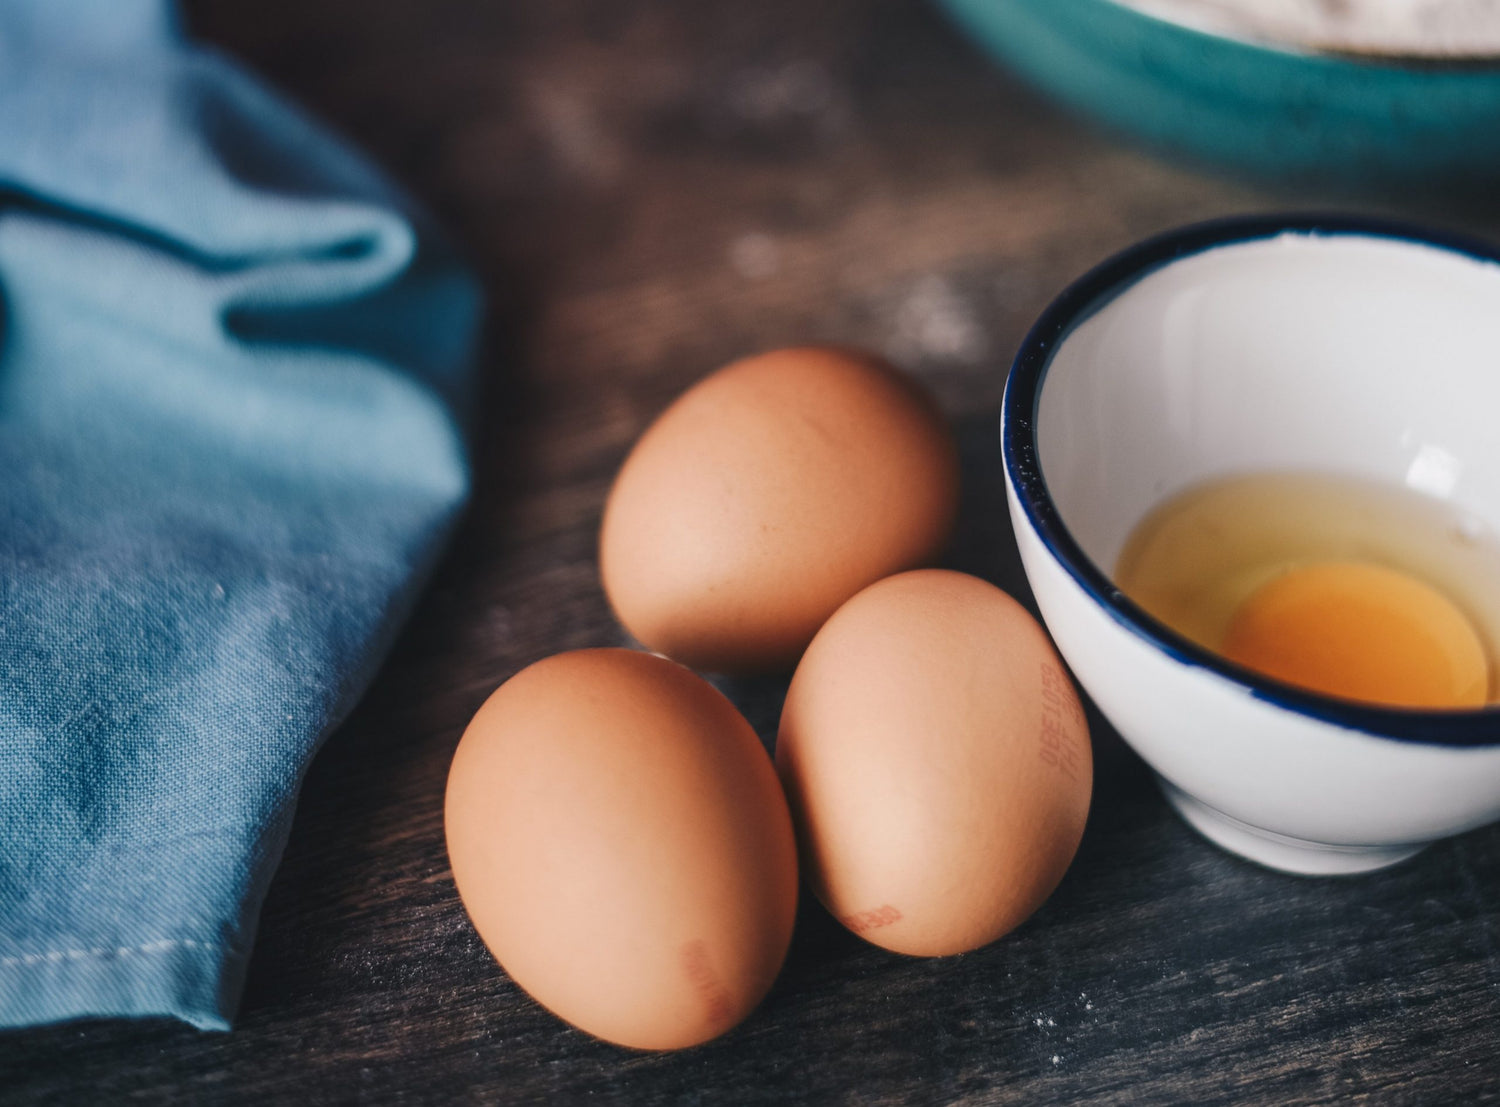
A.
pixel 649 189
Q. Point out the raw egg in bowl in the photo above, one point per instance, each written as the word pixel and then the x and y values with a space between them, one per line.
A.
pixel 1254 472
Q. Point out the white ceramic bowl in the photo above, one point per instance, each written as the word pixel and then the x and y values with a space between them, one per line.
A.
pixel 1332 344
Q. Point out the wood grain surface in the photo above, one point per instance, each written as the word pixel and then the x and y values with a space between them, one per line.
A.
pixel 649 189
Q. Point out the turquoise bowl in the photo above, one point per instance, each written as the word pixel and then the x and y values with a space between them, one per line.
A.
pixel 1244 104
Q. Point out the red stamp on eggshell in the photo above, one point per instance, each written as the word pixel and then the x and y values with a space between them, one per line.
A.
pixel 862 921
pixel 706 982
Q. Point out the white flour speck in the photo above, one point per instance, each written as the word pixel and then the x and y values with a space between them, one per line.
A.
pixel 580 141
pixel 935 321
pixel 800 88
pixel 754 256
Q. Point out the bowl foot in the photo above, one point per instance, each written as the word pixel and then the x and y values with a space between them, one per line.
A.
pixel 1278 851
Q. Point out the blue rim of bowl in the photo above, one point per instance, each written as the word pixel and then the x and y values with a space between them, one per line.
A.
pixel 1023 388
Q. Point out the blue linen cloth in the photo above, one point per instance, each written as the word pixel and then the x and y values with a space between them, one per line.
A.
pixel 230 361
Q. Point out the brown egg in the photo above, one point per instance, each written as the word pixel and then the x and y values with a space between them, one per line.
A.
pixel 766 496
pixel 619 839
pixel 937 762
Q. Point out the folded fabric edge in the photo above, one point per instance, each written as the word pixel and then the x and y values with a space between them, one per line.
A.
pixel 191 979
pixel 231 971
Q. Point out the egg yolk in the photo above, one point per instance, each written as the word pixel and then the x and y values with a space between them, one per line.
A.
pixel 1363 632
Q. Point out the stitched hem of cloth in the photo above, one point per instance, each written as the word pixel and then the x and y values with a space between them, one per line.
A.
pixel 185 978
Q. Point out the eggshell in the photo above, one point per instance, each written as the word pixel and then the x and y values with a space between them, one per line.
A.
pixel 620 841
pixel 937 763
pixel 766 496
